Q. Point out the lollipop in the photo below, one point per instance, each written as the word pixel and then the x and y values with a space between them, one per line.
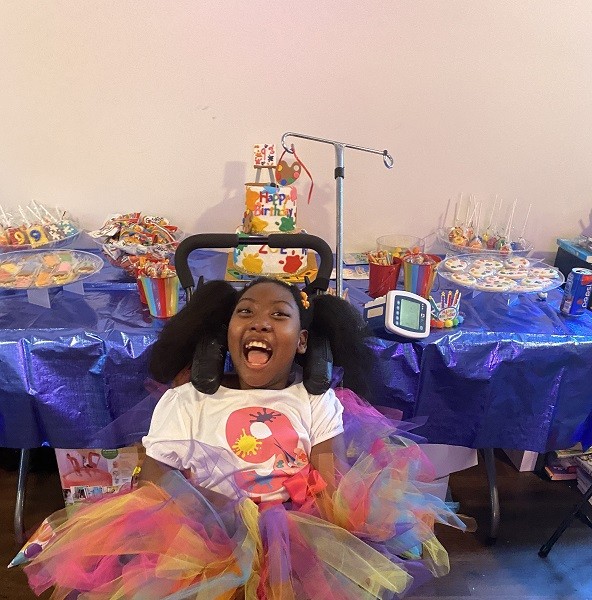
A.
pixel 53 231
pixel 57 228
pixel 503 245
pixel 3 225
pixel 455 233
pixel 501 242
pixel 495 233
pixel 476 243
pixel 461 240
pixel 487 233
pixel 35 232
pixel 521 243
pixel 469 228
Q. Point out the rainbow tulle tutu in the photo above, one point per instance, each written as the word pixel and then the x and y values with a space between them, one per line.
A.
pixel 373 537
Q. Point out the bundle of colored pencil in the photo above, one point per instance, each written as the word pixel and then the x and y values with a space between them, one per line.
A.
pixel 380 257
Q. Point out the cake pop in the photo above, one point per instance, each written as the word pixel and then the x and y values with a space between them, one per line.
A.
pixel 521 243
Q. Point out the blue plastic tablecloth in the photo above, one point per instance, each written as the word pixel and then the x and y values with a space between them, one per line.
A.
pixel 68 371
pixel 516 374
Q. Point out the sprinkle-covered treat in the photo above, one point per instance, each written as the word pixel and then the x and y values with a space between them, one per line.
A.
pixel 479 272
pixel 495 284
pixel 517 262
pixel 6 277
pixel 464 278
pixel 513 273
pixel 535 283
pixel 547 272
pixel 455 264
pixel 487 263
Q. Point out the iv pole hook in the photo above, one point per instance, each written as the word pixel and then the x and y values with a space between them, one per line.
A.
pixel 339 176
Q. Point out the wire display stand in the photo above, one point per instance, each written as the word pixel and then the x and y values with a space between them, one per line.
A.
pixel 339 177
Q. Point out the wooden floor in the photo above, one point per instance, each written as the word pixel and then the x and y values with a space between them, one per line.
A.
pixel 531 508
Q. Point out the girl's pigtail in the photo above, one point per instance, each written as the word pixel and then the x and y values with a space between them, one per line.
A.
pixel 207 314
pixel 343 326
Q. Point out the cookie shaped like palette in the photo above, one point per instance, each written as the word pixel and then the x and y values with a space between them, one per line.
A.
pixel 486 273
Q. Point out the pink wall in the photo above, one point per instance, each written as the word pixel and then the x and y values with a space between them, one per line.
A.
pixel 154 106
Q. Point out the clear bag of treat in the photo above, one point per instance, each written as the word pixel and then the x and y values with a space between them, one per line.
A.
pixel 35 227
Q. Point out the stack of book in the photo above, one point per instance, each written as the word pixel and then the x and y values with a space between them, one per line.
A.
pixel 563 464
pixel 584 473
pixel 577 248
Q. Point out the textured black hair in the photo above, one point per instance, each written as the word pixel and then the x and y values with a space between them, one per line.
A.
pixel 209 311
pixel 342 325
pixel 206 314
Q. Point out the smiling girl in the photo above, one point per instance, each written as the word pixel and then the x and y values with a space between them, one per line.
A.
pixel 284 493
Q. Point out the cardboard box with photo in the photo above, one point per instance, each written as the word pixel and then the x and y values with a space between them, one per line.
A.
pixel 90 472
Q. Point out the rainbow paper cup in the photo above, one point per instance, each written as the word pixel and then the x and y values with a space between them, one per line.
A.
pixel 419 272
pixel 162 295
pixel 141 292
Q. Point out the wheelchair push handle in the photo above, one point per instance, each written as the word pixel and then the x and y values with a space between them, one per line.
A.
pixel 273 240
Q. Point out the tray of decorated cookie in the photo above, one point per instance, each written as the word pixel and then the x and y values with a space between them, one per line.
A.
pixel 29 269
pixel 513 274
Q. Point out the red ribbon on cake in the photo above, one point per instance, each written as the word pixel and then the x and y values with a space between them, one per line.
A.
pixel 286 174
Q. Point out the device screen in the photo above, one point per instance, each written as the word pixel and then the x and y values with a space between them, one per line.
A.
pixel 409 314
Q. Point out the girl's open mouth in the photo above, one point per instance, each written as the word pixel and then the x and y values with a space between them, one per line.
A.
pixel 257 352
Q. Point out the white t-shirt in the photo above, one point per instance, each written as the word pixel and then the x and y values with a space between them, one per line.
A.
pixel 247 439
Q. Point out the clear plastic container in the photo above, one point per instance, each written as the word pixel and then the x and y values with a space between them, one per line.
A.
pixel 521 248
pixel 397 245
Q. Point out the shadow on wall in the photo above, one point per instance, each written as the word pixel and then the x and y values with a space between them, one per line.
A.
pixel 319 213
pixel 232 203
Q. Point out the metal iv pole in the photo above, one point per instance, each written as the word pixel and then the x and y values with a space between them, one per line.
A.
pixel 339 176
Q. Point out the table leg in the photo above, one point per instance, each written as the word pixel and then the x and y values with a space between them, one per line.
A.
pixel 21 489
pixel 489 459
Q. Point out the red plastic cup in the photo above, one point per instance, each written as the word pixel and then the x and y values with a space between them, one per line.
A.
pixel 383 278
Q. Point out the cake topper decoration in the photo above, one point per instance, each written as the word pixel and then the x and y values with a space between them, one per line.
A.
pixel 264 156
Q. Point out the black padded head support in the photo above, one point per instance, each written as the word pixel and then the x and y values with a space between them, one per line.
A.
pixel 207 368
pixel 317 365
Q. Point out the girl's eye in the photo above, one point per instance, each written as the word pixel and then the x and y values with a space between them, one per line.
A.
pixel 243 311
pixel 279 313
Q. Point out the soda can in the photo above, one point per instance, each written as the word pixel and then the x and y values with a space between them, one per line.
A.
pixel 577 292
